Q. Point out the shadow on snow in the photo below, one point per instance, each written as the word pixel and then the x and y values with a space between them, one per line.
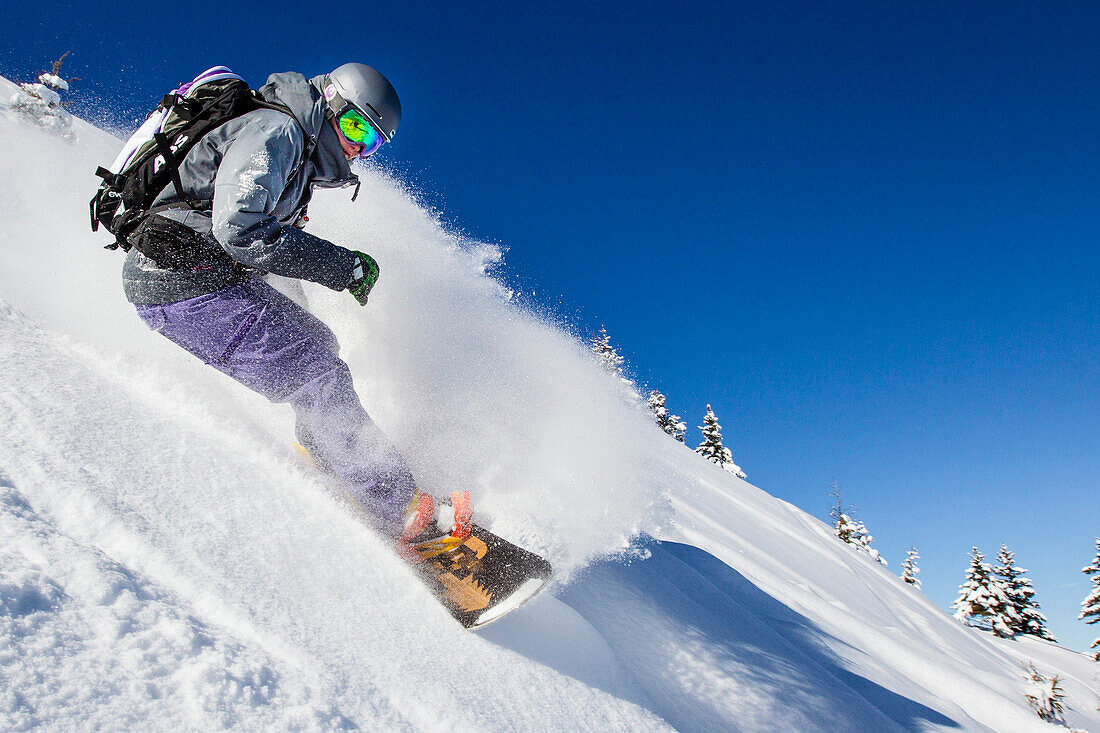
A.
pixel 706 649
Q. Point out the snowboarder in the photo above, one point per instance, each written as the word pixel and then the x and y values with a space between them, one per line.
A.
pixel 259 170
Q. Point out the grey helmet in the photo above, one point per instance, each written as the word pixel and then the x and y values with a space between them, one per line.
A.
pixel 368 91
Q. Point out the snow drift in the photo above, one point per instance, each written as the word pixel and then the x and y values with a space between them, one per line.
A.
pixel 164 558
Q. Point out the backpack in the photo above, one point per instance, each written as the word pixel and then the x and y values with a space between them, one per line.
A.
pixel 150 160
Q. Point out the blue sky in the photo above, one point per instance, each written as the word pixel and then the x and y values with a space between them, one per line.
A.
pixel 864 232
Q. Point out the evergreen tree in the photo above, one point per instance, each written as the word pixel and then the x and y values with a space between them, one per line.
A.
pixel 41 103
pixel 1045 695
pixel 1090 607
pixel 862 539
pixel 713 449
pixel 611 360
pixel 671 424
pixel 1028 619
pixel 842 522
pixel 851 530
pixel 982 599
pixel 847 529
pixel 600 345
pixel 909 569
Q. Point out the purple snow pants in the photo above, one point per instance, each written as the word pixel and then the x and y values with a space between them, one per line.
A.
pixel 268 343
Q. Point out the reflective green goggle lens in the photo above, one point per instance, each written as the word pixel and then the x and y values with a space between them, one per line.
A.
pixel 356 129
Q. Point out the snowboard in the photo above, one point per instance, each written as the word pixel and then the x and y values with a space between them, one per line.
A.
pixel 486 578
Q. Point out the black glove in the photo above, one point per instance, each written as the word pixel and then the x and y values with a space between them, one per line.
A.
pixel 363 277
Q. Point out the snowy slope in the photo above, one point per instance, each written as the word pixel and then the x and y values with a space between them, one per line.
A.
pixel 163 557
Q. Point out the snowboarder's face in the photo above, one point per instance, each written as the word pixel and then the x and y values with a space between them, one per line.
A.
pixel 355 130
pixel 351 150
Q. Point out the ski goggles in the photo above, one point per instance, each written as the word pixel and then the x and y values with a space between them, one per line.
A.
pixel 357 129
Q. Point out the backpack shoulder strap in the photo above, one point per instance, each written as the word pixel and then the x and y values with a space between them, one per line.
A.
pixel 186 115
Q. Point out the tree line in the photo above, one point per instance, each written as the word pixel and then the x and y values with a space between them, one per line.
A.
pixel 996 598
pixel 999 599
pixel 712 448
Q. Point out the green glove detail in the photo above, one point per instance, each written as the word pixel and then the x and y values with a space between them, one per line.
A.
pixel 363 277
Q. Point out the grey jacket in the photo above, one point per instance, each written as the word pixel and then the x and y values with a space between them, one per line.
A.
pixel 250 168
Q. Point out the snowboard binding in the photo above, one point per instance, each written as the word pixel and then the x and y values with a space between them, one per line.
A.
pixel 478 576
pixel 423 537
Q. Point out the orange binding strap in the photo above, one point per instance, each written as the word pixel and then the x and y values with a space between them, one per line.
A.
pixel 423 508
pixel 464 511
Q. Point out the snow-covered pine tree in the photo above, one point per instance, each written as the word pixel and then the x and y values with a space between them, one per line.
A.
pixel 982 600
pixel 600 345
pixel 841 526
pixel 862 539
pixel 852 530
pixel 671 424
pixel 612 361
pixel 1045 695
pixel 909 569
pixel 1021 596
pixel 1090 607
pixel 846 529
pixel 41 103
pixel 712 448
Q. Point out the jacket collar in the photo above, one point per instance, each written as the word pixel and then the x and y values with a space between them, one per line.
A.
pixel 330 166
pixel 326 165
